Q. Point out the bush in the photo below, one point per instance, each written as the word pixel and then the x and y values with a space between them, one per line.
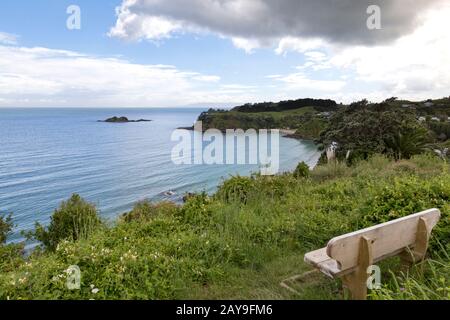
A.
pixel 196 211
pixel 145 210
pixel 75 219
pixel 5 227
pixel 236 188
pixel 302 170
pixel 11 254
pixel 410 195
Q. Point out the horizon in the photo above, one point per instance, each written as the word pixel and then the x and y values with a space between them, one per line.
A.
pixel 117 54
pixel 205 106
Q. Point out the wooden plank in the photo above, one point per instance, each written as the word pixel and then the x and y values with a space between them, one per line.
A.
pixel 320 260
pixel 422 239
pixel 356 282
pixel 317 256
pixel 389 237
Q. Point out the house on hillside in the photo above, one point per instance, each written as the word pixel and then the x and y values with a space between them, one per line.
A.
pixel 325 114
pixel 428 103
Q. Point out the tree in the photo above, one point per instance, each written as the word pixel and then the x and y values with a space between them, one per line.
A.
pixel 74 219
pixel 366 129
pixel 407 142
pixel 6 226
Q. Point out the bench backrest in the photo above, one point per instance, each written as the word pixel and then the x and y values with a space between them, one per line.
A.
pixel 388 239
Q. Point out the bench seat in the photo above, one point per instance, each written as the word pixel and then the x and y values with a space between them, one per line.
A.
pixel 320 260
pixel 349 256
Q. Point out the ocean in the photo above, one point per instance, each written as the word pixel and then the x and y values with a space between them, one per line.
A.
pixel 47 154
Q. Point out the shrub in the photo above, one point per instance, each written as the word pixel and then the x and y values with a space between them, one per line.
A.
pixel 410 195
pixel 236 188
pixel 145 210
pixel 5 227
pixel 74 219
pixel 302 170
pixel 195 210
pixel 11 254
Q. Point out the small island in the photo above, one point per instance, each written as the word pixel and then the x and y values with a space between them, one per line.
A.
pixel 122 120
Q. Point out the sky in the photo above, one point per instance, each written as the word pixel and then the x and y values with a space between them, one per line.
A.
pixel 219 53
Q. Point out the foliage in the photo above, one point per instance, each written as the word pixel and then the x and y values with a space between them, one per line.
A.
pixel 75 219
pixel 6 226
pixel 411 194
pixel 408 141
pixel 242 241
pixel 146 210
pixel 310 126
pixel 287 105
pixel 236 188
pixel 10 254
pixel 429 280
pixel 302 170
pixel 366 129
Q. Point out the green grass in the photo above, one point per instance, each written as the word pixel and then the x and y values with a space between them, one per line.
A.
pixel 264 120
pixel 243 241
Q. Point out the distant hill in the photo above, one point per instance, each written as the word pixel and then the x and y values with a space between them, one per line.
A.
pixel 362 127
pixel 319 104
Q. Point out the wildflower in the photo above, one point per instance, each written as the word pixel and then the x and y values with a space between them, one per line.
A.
pixel 94 290
pixel 22 280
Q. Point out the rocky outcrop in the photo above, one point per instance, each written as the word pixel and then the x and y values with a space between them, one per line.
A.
pixel 122 120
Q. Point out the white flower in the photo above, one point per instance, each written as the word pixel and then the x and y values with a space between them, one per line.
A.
pixel 95 290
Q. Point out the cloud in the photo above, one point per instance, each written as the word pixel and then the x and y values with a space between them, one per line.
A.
pixel 48 77
pixel 8 38
pixel 255 23
pixel 414 66
pixel 300 81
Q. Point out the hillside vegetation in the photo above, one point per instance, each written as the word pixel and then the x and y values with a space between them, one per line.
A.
pixel 240 242
pixel 394 127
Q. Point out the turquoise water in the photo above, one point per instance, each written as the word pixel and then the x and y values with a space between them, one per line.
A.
pixel 48 154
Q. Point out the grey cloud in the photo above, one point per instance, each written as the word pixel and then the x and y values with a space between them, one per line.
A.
pixel 337 21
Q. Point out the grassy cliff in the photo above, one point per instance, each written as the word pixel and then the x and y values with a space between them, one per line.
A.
pixel 240 242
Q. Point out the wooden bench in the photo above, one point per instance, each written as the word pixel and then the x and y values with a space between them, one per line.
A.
pixel 348 256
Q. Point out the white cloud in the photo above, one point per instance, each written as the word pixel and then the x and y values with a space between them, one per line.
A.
pixel 48 77
pixel 301 45
pixel 207 78
pixel 300 81
pixel 8 38
pixel 248 45
pixel 413 67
